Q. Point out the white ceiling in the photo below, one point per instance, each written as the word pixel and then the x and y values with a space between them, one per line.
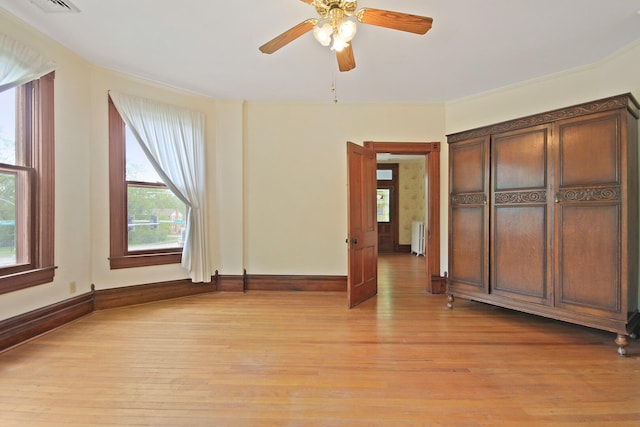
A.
pixel 211 46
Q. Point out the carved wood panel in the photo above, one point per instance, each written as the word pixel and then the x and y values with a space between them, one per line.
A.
pixel 519 159
pixel 589 258
pixel 588 202
pixel 468 262
pixel 520 232
pixel 589 151
pixel 468 211
pixel 468 168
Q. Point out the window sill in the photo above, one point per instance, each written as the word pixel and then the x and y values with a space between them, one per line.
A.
pixel 26 279
pixel 145 260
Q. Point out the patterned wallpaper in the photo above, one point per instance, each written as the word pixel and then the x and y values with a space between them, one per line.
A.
pixel 411 174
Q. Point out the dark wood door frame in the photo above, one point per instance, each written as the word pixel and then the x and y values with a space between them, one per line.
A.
pixel 431 151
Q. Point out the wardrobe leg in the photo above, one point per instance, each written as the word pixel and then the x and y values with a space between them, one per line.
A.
pixel 450 300
pixel 622 342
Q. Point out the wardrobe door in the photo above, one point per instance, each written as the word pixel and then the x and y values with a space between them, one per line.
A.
pixel 520 229
pixel 468 216
pixel 588 215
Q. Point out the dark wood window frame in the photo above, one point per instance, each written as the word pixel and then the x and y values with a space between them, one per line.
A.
pixel 36 155
pixel 120 256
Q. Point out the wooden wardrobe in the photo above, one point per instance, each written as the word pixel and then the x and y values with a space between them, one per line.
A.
pixel 543 215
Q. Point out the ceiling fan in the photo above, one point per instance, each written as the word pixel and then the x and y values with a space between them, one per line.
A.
pixel 336 27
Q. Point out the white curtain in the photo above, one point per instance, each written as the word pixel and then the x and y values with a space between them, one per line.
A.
pixel 20 64
pixel 173 140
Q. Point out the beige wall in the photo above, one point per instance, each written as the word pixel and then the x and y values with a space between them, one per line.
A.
pixel 101 82
pixel 295 172
pixel 276 172
pixel 72 171
pixel 619 73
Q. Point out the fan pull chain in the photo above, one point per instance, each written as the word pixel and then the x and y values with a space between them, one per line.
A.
pixel 334 89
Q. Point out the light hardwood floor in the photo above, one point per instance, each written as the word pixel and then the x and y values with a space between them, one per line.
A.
pixel 304 359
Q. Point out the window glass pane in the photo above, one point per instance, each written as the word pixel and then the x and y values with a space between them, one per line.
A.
pixel 383 195
pixel 8 126
pixel 15 232
pixel 155 217
pixel 138 166
pixel 384 174
pixel 7 219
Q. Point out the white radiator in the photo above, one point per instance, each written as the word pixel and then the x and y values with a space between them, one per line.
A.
pixel 417 238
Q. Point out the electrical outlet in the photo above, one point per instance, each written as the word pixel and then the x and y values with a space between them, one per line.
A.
pixel 72 287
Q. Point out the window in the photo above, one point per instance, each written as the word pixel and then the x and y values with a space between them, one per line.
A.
pixel 383 196
pixel 27 185
pixel 147 219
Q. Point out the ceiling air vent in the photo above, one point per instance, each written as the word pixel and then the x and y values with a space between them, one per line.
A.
pixel 53 6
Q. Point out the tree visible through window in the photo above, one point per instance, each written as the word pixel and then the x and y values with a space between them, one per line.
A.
pixel 155 216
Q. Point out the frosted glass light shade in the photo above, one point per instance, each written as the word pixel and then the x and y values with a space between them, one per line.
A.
pixel 323 34
pixel 338 43
pixel 346 30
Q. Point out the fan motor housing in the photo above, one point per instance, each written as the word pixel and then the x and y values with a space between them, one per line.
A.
pixel 326 7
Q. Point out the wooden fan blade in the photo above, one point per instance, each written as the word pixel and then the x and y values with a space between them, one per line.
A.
pixel 395 20
pixel 288 36
pixel 346 61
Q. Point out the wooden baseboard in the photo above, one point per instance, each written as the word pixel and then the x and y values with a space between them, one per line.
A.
pixel 268 282
pixel 141 294
pixel 262 282
pixel 404 249
pixel 23 327
pixel 438 285
pixel 228 283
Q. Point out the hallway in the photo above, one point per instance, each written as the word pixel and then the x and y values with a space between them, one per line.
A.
pixel 401 273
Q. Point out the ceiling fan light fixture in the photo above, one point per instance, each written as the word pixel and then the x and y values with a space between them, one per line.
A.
pixel 323 33
pixel 338 44
pixel 337 23
pixel 347 30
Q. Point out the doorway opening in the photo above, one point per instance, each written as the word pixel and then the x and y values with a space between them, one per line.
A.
pixel 430 152
pixel 402 203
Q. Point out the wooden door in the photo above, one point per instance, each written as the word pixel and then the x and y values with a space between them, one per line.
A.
pixel 362 282
pixel 387 197
pixel 469 217
pixel 590 260
pixel 520 215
